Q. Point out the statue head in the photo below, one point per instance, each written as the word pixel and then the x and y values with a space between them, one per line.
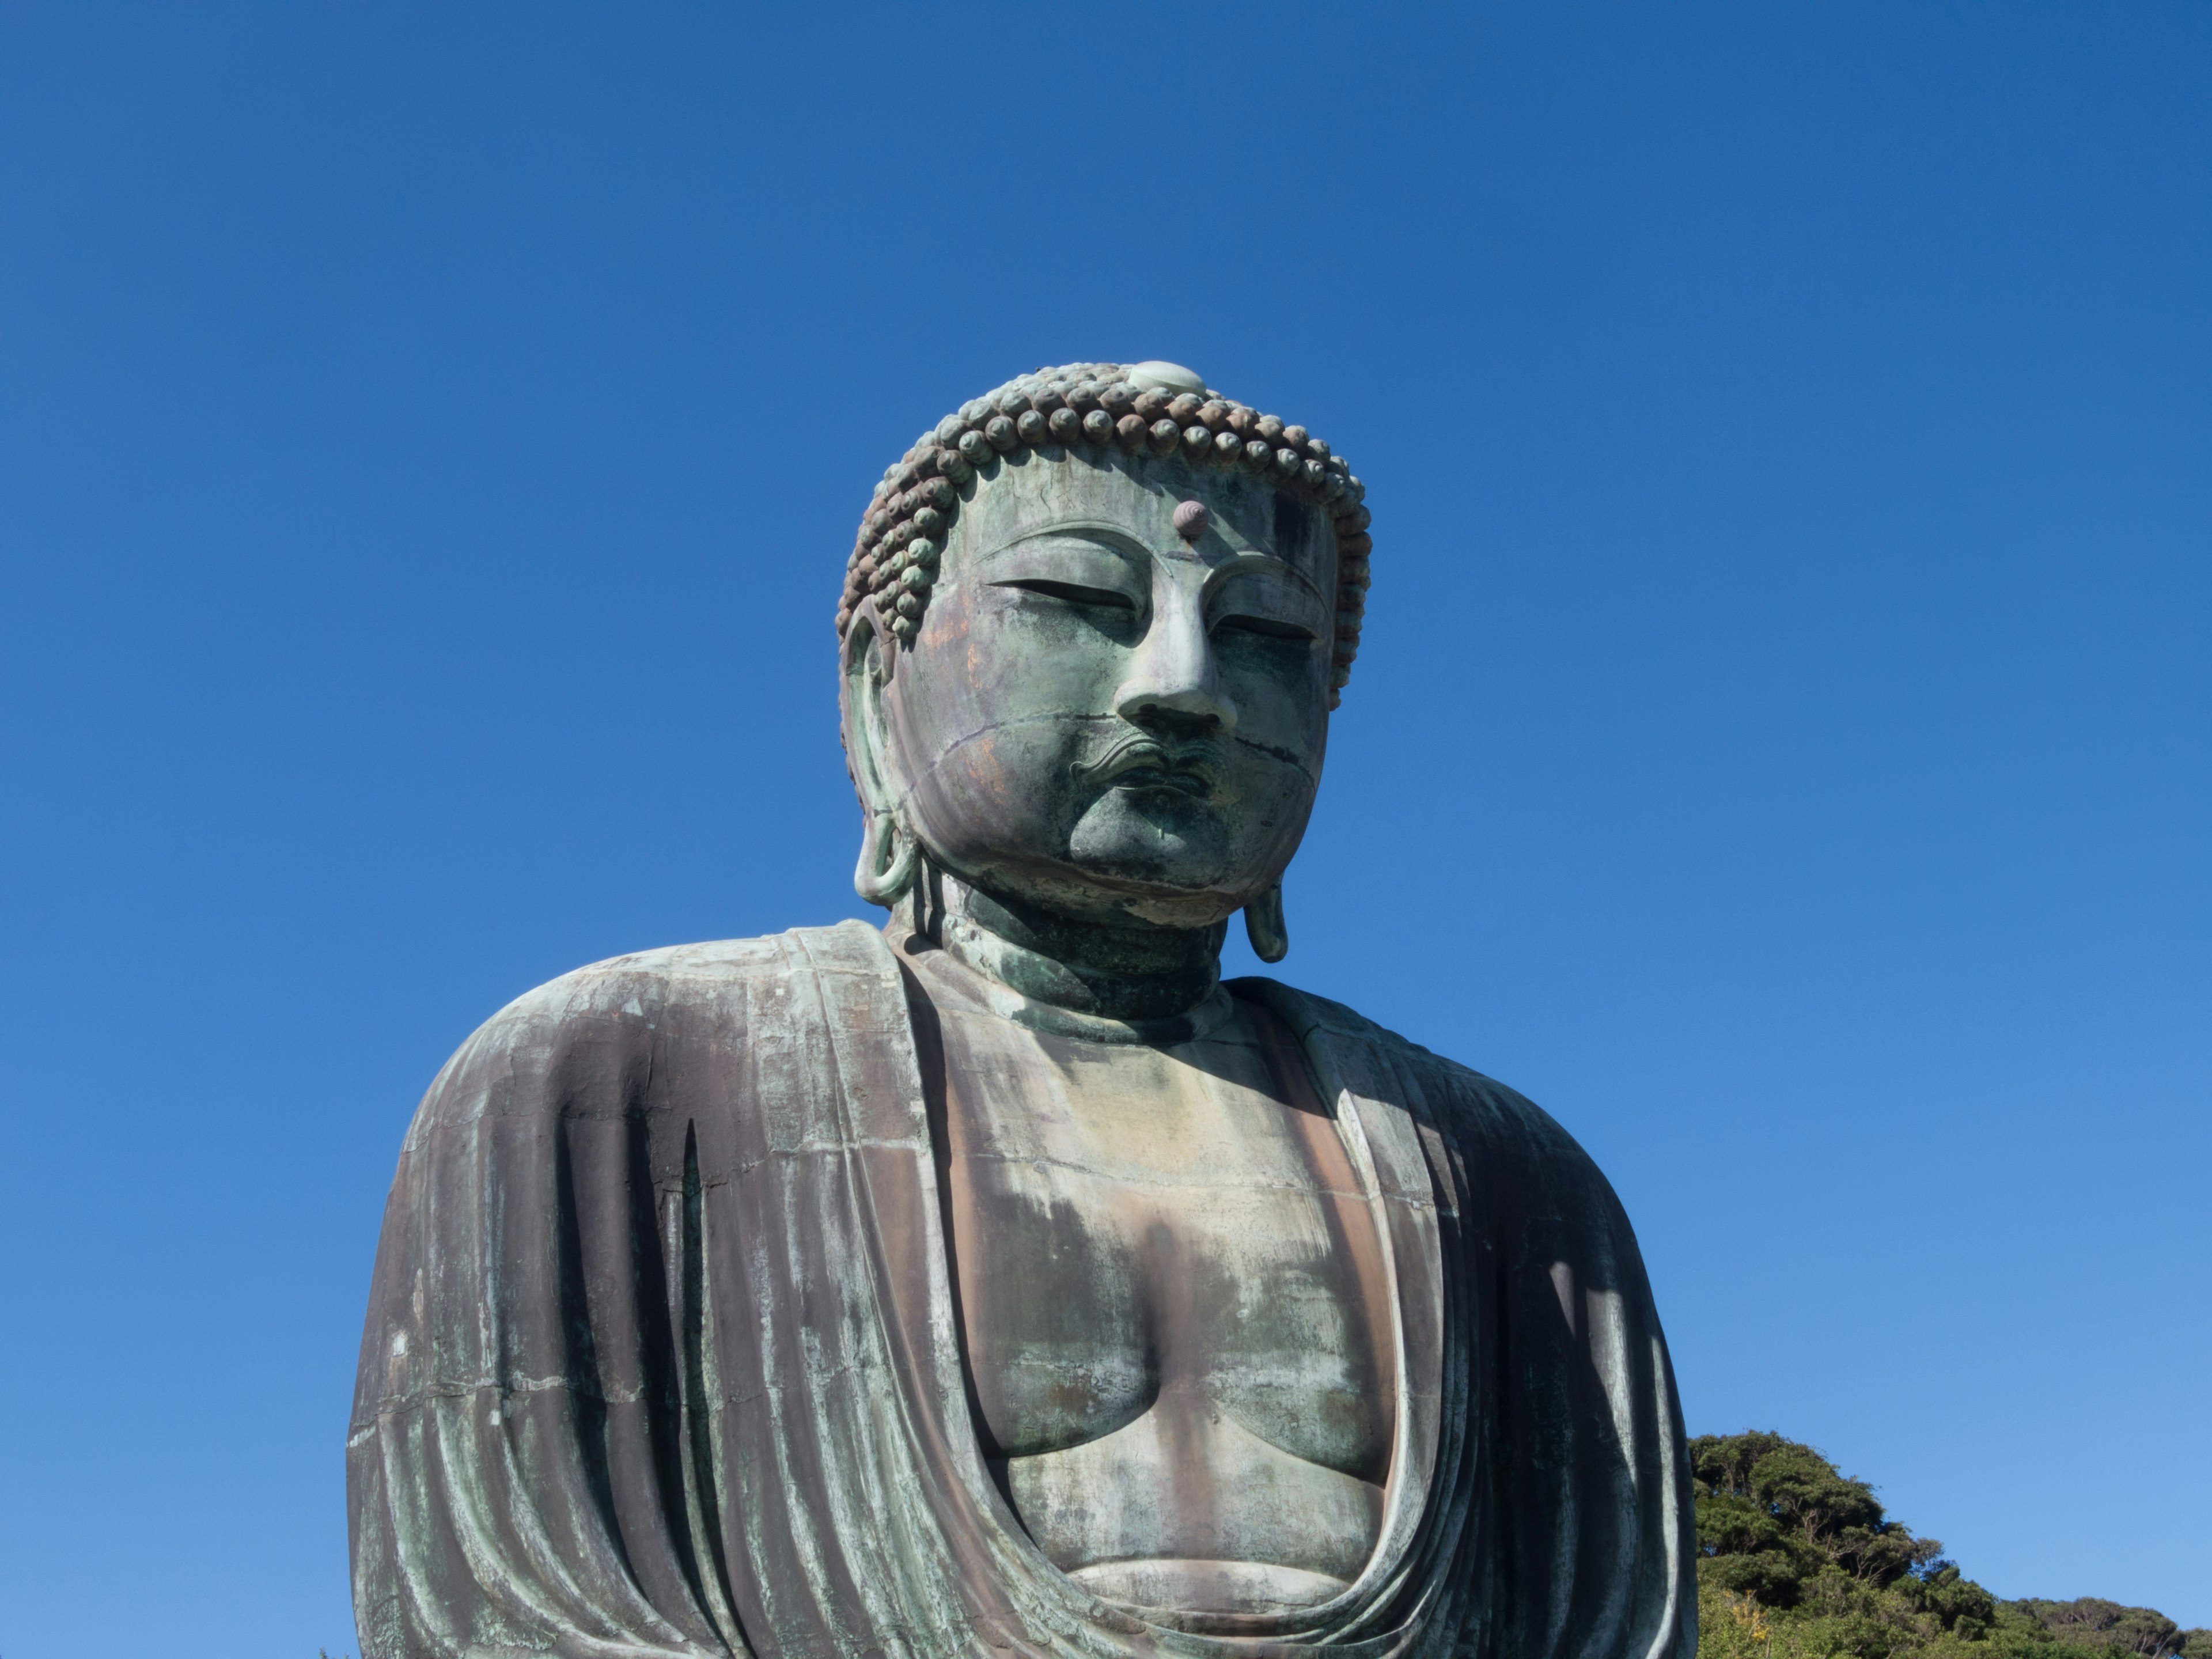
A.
pixel 1092 630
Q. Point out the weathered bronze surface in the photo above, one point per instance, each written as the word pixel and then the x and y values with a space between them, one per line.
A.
pixel 1003 1282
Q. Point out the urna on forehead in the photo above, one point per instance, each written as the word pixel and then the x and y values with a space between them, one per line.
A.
pixel 1155 409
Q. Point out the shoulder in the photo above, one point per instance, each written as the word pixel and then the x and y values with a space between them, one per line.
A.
pixel 686 978
pixel 1483 1140
pixel 586 1030
pixel 1373 1060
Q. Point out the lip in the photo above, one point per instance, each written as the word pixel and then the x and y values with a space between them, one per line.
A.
pixel 1140 764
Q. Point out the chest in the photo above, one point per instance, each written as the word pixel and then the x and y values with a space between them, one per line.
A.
pixel 1136 1230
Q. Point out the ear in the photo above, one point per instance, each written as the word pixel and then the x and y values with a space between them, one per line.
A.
pixel 888 853
pixel 867 669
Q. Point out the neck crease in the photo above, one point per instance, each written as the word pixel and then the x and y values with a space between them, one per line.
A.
pixel 1130 974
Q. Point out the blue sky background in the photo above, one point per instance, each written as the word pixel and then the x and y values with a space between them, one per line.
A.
pixel 430 440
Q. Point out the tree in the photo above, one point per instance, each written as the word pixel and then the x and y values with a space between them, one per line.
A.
pixel 1779 1512
pixel 2090 1621
pixel 1797 1560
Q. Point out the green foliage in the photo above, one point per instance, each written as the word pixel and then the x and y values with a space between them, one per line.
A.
pixel 2103 1626
pixel 1775 1517
pixel 1797 1560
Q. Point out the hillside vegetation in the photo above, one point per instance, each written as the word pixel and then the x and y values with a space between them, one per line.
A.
pixel 1797 1560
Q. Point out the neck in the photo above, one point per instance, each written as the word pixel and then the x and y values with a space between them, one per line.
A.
pixel 1111 972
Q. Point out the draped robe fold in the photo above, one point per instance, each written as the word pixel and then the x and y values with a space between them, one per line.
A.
pixel 662 1359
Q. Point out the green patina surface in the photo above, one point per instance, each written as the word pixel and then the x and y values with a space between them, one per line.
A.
pixel 1003 1282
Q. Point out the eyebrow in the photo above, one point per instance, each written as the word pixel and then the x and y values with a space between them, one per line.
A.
pixel 1117 540
pixel 1248 561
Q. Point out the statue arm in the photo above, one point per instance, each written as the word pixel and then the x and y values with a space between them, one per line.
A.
pixel 631 1382
pixel 506 1487
pixel 1590 1480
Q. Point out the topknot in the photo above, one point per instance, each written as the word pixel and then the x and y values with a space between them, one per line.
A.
pixel 1142 409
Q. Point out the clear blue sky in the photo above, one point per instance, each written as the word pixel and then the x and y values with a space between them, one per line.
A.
pixel 428 449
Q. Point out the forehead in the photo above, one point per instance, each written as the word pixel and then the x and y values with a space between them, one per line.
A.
pixel 1031 492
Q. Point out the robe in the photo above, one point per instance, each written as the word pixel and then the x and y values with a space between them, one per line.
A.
pixel 661 1357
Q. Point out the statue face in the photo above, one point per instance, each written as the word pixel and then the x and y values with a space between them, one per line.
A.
pixel 1102 717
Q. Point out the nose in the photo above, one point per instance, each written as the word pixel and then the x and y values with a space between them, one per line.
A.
pixel 1172 687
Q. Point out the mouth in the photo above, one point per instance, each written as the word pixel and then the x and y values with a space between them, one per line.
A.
pixel 1143 763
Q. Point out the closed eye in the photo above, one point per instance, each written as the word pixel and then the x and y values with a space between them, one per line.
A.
pixel 1072 593
pixel 1269 627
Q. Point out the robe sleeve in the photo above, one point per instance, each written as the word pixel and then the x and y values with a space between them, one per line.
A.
pixel 1584 1527
pixel 513 1483
pixel 635 1381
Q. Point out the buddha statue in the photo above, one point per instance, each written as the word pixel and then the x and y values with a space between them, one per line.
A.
pixel 1002 1282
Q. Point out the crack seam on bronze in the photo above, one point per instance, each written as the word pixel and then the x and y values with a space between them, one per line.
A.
pixel 1264 1185
pixel 967 738
pixel 529 1385
pixel 861 1368
pixel 817 1149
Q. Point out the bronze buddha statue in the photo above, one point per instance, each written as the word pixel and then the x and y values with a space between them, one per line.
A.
pixel 1003 1280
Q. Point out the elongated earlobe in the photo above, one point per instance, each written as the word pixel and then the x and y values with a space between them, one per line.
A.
pixel 888 853
pixel 1263 926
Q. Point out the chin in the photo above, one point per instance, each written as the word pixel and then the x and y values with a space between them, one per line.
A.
pixel 1167 860
pixel 1160 857
pixel 1153 838
pixel 1097 896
